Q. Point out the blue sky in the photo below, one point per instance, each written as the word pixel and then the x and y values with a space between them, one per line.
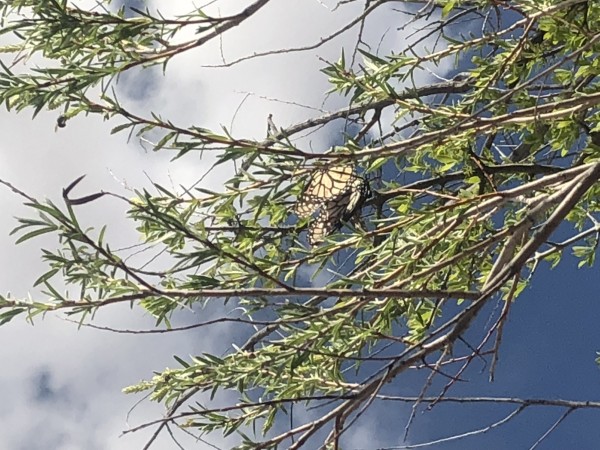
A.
pixel 548 351
pixel 61 386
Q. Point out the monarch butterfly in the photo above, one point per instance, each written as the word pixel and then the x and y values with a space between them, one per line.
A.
pixel 336 192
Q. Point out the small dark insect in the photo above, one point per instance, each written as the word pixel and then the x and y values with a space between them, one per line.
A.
pixel 337 193
pixel 61 122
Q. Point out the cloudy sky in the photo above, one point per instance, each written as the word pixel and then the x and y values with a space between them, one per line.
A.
pixel 61 387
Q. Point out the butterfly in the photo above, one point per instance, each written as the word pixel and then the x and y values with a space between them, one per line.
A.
pixel 336 193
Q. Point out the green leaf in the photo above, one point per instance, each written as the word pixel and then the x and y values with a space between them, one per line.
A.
pixel 449 6
pixel 35 233
pixel 9 315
